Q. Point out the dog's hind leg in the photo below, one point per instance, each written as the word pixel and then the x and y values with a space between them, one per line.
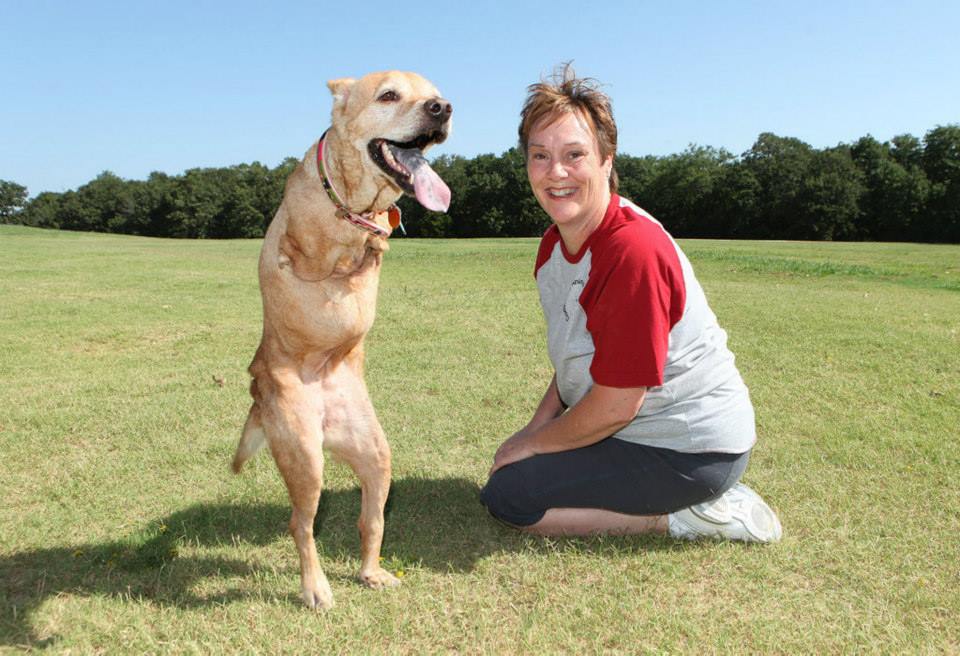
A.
pixel 354 435
pixel 374 475
pixel 292 418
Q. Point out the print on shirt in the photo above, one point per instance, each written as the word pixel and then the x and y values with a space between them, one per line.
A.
pixel 574 295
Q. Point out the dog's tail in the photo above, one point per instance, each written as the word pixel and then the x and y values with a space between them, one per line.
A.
pixel 251 440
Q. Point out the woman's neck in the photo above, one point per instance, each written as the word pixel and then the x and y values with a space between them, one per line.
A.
pixel 575 235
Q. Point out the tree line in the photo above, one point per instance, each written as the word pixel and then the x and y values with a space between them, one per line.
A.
pixel 905 189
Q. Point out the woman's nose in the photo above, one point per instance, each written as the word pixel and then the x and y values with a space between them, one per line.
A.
pixel 557 169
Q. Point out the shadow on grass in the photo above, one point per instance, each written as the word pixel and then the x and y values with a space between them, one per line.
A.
pixel 433 523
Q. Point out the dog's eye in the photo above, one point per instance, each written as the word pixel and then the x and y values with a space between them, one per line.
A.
pixel 389 96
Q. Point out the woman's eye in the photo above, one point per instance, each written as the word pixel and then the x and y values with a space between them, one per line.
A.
pixel 576 154
pixel 389 96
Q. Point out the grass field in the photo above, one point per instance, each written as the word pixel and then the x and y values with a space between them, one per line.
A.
pixel 121 530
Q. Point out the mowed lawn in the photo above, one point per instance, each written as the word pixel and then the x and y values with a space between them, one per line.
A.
pixel 123 388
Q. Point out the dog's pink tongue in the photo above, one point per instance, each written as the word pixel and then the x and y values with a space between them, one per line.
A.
pixel 432 192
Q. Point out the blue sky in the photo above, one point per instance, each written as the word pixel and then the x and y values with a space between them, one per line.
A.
pixel 134 87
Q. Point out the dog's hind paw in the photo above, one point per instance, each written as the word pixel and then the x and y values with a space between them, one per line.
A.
pixel 379 578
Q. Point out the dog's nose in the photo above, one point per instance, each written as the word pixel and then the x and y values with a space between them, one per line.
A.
pixel 439 108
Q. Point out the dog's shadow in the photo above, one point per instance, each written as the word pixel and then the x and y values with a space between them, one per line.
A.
pixel 435 523
pixel 431 523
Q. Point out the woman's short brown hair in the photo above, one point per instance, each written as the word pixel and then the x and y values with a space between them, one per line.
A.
pixel 564 93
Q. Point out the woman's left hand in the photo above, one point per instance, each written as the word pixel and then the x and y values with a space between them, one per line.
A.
pixel 515 448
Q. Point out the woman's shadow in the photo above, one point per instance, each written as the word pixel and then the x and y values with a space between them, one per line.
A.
pixel 435 523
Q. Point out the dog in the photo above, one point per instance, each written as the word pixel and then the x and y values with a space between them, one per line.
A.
pixel 319 272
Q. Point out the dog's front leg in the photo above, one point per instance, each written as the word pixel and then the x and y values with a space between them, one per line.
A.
pixel 293 422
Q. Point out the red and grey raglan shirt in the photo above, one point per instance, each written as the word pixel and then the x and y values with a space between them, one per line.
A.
pixel 627 311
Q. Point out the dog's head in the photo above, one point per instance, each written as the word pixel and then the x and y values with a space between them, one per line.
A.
pixel 391 119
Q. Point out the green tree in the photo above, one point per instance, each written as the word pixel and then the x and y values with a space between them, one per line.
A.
pixel 238 216
pixel 479 210
pixel 941 154
pixel 155 201
pixel 907 151
pixel 43 211
pixel 682 192
pixel 523 215
pixel 780 188
pixel 13 197
pixel 779 165
pixel 896 191
pixel 734 203
pixel 828 197
pixel 636 177
pixel 104 204
pixel 941 162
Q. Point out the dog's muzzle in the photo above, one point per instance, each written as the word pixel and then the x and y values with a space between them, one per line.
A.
pixel 404 161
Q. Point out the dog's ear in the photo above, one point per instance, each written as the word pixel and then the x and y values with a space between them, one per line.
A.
pixel 341 90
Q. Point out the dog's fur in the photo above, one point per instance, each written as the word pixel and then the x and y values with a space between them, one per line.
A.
pixel 318 278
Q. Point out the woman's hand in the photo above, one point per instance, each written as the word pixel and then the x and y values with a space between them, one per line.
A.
pixel 599 414
pixel 515 448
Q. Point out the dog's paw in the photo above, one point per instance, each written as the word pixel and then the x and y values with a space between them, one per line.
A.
pixel 379 578
pixel 318 596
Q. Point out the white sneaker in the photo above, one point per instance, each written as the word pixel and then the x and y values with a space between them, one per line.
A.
pixel 739 514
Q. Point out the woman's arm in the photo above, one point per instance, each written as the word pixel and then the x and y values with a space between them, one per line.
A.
pixel 600 413
pixel 551 407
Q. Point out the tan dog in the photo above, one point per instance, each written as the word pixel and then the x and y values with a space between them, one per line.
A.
pixel 319 272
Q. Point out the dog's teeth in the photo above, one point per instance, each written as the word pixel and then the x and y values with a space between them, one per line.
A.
pixel 392 161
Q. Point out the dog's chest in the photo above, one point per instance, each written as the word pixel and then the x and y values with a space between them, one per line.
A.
pixel 358 263
pixel 341 308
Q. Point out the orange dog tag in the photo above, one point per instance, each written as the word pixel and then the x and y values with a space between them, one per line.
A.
pixel 393 214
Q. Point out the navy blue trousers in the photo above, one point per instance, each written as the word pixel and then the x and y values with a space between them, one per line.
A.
pixel 612 475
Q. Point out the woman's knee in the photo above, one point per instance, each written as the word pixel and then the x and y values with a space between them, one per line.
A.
pixel 507 499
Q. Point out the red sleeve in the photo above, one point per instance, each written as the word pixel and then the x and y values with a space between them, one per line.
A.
pixel 547 243
pixel 633 298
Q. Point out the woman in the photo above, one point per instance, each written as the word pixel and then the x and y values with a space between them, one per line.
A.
pixel 647 425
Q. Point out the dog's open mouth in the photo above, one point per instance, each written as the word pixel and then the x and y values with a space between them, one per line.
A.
pixel 406 165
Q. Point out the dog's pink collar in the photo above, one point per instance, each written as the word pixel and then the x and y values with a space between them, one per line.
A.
pixel 365 220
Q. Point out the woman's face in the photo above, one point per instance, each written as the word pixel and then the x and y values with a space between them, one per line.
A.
pixel 566 173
